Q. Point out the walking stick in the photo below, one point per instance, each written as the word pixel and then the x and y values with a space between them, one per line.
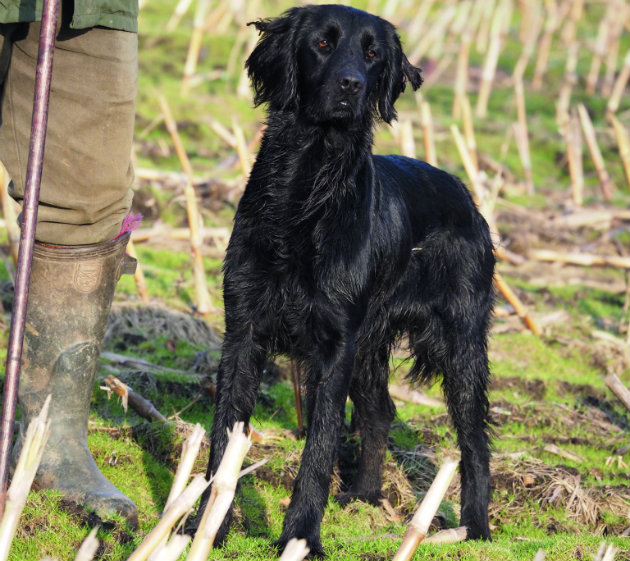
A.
pixel 27 236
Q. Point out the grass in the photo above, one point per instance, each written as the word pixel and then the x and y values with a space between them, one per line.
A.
pixel 545 391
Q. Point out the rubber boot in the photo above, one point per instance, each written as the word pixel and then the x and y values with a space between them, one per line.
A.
pixel 70 296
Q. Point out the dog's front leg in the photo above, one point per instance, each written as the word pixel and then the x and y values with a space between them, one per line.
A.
pixel 238 380
pixel 328 380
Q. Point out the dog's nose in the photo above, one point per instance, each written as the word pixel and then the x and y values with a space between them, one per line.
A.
pixel 350 82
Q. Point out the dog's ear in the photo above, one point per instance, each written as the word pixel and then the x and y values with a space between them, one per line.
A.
pixel 395 75
pixel 272 66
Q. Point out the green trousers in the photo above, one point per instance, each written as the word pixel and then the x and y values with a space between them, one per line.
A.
pixel 87 172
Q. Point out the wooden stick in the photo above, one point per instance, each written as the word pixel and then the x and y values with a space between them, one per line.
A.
pixel 623 142
pixel 139 404
pixel 583 259
pixel 619 389
pixel 428 135
pixel 605 182
pixel 204 304
pixel 516 303
pixel 419 525
pixel 620 85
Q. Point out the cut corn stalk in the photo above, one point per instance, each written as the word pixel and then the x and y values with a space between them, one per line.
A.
pixel 623 142
pixel 428 135
pixel 296 550
pixel 419 525
pixel 605 182
pixel 223 489
pixel 88 548
pixel 30 456
pixel 180 506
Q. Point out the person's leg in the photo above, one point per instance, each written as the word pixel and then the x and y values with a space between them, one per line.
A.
pixel 85 195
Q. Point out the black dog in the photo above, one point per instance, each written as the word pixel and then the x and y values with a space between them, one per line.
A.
pixel 337 254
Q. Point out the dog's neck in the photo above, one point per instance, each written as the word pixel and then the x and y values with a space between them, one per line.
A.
pixel 322 161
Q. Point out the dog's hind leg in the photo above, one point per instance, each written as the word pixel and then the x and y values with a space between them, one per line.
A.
pixel 465 378
pixel 374 412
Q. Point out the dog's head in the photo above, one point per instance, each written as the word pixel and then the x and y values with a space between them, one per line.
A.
pixel 330 63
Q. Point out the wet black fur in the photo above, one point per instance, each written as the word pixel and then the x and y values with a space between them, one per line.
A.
pixel 336 255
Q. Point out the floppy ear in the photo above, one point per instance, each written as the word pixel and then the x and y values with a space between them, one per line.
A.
pixel 396 73
pixel 272 66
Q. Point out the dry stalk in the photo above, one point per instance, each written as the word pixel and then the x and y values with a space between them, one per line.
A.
pixel 570 80
pixel 88 548
pixel 178 14
pixel 605 182
pixel 428 134
pixel 573 138
pixel 437 31
pixel 190 450
pixel 204 304
pixel 244 155
pixel 449 536
pixel 138 275
pixel 599 50
pixel 515 302
pixel 623 142
pixel 531 25
pixel 180 506
pixel 139 404
pixel 10 215
pixel 522 134
pixel 486 8
pixel 419 525
pixel 585 259
pixel 407 143
pixel 554 17
pixel 499 20
pixel 405 393
pixel 171 550
pixel 461 76
pixel 296 550
pixel 223 489
pixel 195 45
pixel 620 85
pixel 619 389
pixel 620 16
pixel 469 130
pixel 28 462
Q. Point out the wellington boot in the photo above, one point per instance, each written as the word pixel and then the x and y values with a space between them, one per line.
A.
pixel 70 297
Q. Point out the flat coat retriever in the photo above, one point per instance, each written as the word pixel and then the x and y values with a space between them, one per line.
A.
pixel 336 255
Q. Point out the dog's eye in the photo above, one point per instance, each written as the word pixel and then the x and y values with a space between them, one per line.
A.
pixel 370 53
pixel 322 44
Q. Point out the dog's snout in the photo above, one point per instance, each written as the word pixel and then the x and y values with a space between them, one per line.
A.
pixel 350 82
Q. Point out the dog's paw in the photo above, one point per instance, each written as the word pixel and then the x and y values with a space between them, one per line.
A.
pixel 346 498
pixel 477 530
pixel 316 551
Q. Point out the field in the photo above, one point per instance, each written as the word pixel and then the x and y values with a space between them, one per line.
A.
pixel 561 459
